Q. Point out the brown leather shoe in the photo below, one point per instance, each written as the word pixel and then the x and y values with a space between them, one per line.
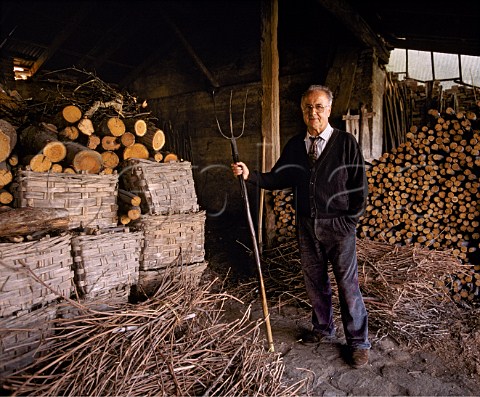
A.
pixel 359 357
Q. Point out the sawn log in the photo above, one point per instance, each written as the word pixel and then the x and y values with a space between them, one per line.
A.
pixel 24 221
pixel 8 139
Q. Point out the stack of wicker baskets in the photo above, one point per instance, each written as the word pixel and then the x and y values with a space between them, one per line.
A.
pixel 90 199
pixel 173 225
pixel 107 264
pixel 96 260
pixel 165 188
pixel 33 275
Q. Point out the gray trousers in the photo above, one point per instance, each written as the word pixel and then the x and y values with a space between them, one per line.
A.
pixel 332 241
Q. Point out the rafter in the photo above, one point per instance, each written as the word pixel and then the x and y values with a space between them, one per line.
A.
pixel 357 25
pixel 62 36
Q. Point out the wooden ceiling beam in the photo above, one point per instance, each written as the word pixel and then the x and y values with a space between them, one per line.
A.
pixel 213 81
pixel 105 45
pixel 357 25
pixel 61 37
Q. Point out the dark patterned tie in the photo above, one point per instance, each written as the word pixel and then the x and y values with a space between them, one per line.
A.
pixel 313 151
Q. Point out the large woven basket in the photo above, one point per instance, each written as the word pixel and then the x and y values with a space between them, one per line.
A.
pixel 150 280
pixel 165 188
pixel 22 335
pixel 91 200
pixel 106 264
pixel 34 273
pixel 168 239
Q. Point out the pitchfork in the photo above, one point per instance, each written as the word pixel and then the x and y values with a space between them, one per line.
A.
pixel 236 158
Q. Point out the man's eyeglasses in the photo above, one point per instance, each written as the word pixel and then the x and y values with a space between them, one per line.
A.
pixel 318 108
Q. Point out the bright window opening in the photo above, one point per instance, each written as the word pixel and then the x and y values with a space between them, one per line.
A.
pixel 423 66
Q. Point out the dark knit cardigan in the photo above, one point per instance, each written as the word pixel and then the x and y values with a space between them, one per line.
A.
pixel 336 186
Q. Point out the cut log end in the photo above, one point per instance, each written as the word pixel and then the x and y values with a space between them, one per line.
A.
pixel 86 127
pixel 137 151
pixel 55 151
pixel 5 197
pixel 127 139
pixel 170 157
pixel 110 143
pixel 71 113
pixel 110 159
pixel 70 132
pixel 136 126
pixel 158 140
pixel 115 126
pixel 39 163
pixel 88 161
pixel 6 177
pixel 93 142
pixel 56 168
pixel 158 157
pixel 8 139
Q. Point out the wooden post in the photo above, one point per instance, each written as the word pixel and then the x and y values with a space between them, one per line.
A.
pixel 270 99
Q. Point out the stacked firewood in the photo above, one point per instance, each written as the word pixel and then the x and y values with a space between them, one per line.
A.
pixel 425 193
pixel 284 211
pixel 72 142
pixel 86 127
pixel 8 140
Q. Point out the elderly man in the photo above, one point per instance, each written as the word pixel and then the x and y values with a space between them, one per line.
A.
pixel 325 167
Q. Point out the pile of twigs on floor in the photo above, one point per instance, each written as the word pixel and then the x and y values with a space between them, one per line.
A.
pixel 404 288
pixel 174 343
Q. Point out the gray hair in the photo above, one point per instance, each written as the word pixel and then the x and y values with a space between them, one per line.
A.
pixel 321 88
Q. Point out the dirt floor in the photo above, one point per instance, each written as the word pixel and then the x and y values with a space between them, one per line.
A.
pixel 394 370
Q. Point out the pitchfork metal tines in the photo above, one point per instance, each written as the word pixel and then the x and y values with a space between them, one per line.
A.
pixel 233 142
pixel 233 138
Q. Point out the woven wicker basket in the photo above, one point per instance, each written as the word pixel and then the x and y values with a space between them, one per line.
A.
pixel 150 280
pixel 91 200
pixel 176 238
pixel 21 336
pixel 165 188
pixel 106 264
pixel 49 259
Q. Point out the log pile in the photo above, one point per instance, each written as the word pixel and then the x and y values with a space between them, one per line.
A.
pixel 87 145
pixel 8 159
pixel 425 192
pixel 83 126
pixel 284 211
pixel 79 124
pixel 418 98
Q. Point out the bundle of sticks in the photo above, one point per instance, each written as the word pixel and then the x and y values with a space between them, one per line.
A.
pixel 175 343
pixel 405 288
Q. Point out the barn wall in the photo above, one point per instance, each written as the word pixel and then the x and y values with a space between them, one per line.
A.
pixel 180 95
pixel 358 82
